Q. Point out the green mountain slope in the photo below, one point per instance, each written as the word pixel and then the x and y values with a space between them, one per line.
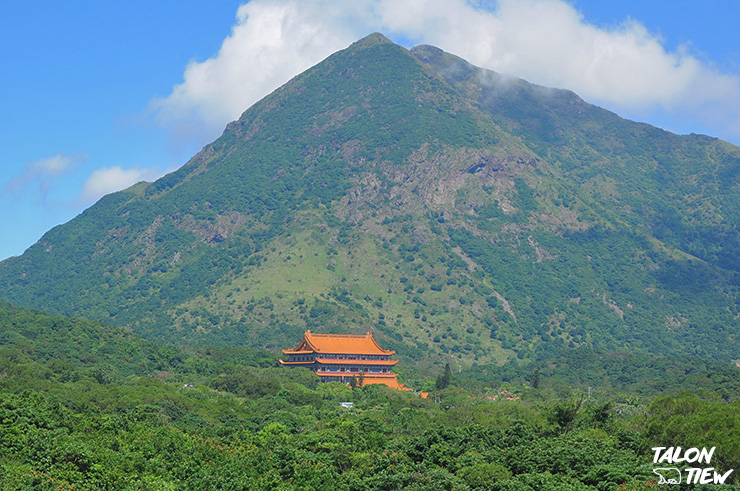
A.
pixel 458 214
pixel 37 346
pixel 39 350
pixel 684 189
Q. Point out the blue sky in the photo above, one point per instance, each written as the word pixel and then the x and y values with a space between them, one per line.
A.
pixel 98 95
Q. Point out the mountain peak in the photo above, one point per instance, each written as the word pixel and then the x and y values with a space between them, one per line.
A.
pixel 370 40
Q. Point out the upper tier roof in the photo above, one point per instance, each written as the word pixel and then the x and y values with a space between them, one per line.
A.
pixel 340 344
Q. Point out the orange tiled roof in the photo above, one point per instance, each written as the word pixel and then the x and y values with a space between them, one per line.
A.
pixel 391 382
pixel 339 344
pixel 323 361
pixel 325 373
pixel 388 379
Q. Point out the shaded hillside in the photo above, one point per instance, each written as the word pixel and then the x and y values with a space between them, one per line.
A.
pixel 456 213
pixel 612 372
pixel 52 347
pixel 35 346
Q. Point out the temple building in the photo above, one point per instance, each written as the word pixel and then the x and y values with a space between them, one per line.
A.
pixel 338 357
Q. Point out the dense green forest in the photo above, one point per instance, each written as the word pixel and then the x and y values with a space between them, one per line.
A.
pixel 86 406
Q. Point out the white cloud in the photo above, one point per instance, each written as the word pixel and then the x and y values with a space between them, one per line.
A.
pixel 47 176
pixel 271 42
pixel 107 180
pixel 548 42
pixel 41 173
pixel 53 166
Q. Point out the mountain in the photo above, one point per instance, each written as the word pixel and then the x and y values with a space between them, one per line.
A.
pixel 459 214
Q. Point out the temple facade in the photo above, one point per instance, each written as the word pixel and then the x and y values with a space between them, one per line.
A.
pixel 339 357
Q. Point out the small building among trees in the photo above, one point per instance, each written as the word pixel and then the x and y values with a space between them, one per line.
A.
pixel 356 360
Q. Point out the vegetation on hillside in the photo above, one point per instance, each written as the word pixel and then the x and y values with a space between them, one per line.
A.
pixel 230 419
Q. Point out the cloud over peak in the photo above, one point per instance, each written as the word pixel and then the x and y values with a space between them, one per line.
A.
pixel 270 43
pixel 106 180
pixel 623 67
